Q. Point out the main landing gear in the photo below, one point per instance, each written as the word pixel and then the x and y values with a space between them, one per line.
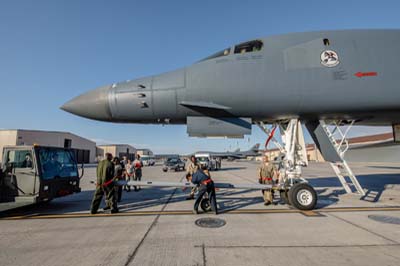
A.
pixel 331 141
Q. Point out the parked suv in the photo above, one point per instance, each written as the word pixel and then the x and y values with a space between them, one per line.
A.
pixel 175 164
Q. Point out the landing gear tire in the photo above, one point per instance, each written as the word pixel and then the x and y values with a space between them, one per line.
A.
pixel 302 196
pixel 284 196
pixel 205 205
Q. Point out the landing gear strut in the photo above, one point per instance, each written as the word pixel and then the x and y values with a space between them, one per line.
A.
pixel 331 141
pixel 294 189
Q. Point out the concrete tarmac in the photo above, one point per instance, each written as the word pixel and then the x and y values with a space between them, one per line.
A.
pixel 156 225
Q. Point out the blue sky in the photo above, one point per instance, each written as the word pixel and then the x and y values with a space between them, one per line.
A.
pixel 51 51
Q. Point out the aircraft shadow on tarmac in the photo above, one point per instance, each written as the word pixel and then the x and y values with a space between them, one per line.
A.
pixel 145 198
pixel 325 200
pixel 179 196
pixel 224 198
pixel 134 200
pixel 231 192
pixel 230 204
pixel 141 200
pixel 375 184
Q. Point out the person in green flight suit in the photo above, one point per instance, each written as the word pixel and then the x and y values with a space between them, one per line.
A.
pixel 105 185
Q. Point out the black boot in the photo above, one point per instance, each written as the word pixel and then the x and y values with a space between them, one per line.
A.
pixel 190 197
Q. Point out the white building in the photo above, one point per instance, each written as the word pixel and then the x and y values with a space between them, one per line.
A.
pixel 85 149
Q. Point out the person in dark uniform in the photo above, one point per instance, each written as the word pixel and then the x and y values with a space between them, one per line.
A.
pixel 203 180
pixel 105 185
pixel 27 163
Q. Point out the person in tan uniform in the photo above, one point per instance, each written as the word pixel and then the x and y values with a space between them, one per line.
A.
pixel 267 174
pixel 192 168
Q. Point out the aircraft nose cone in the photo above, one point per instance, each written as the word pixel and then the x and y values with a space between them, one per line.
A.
pixel 93 104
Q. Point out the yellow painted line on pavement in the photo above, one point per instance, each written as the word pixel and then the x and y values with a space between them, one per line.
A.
pixel 310 213
pixel 244 211
pixel 358 209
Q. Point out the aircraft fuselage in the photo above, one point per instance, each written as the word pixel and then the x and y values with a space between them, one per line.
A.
pixel 350 74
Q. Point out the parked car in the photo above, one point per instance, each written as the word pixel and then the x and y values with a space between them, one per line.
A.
pixel 175 164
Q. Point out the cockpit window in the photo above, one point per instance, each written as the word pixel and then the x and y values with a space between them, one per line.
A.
pixel 224 52
pixel 246 47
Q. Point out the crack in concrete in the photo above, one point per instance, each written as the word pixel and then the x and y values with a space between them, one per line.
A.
pixel 203 248
pixel 132 256
pixel 365 229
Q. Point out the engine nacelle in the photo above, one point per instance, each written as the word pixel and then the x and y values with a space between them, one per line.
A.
pixel 229 127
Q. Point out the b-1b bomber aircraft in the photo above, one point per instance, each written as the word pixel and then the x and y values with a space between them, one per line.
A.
pixel 323 80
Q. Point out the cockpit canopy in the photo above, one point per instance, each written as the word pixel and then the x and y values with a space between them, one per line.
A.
pixel 224 52
pixel 246 47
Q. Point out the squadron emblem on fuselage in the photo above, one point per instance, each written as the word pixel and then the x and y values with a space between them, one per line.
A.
pixel 329 58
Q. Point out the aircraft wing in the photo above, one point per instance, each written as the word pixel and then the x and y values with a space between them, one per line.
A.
pixel 205 105
pixel 225 155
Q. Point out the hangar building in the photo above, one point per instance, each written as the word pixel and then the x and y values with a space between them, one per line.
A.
pixel 119 150
pixel 85 149
pixel 372 148
pixel 379 148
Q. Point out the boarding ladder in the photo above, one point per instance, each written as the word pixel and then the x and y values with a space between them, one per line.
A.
pixel 338 138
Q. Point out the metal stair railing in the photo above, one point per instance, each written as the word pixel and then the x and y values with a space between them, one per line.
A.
pixel 342 169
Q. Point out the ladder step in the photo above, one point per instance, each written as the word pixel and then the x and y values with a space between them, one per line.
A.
pixel 353 179
pixel 342 169
pixel 341 178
